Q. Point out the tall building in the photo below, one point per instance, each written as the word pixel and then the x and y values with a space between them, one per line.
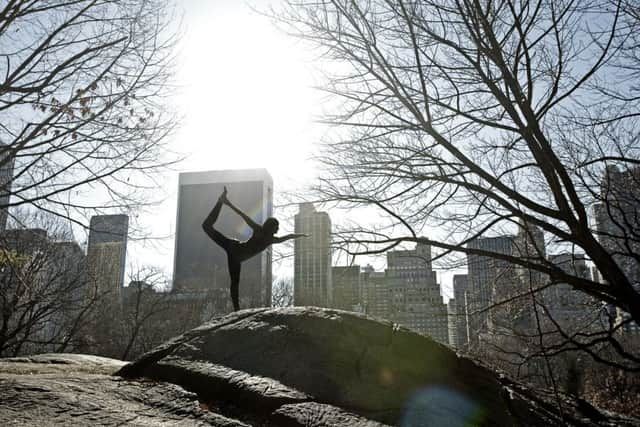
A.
pixel 48 273
pixel 618 226
pixel 566 306
pixel 458 334
pixel 513 282
pixel 106 254
pixel 485 274
pixel 414 298
pixel 376 291
pixel 529 245
pixel 347 288
pixel 200 265
pixel 6 178
pixel 68 272
pixel 451 322
pixel 312 281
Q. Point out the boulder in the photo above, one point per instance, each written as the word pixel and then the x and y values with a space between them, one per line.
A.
pixel 80 390
pixel 307 366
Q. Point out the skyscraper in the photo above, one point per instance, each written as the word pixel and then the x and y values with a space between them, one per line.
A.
pixel 485 273
pixel 458 312
pixel 200 265
pixel 6 178
pixel 451 322
pixel 565 305
pixel 312 281
pixel 106 253
pixel 414 298
pixel 618 227
pixel 513 281
pixel 374 284
pixel 347 287
pixel 529 245
pixel 46 281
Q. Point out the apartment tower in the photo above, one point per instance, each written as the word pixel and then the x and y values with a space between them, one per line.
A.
pixel 312 279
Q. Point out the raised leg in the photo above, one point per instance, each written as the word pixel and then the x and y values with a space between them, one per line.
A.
pixel 210 220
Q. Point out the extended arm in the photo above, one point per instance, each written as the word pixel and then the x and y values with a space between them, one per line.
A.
pixel 254 226
pixel 288 237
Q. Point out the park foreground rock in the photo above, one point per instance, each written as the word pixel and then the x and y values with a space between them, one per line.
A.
pixel 318 367
pixel 80 390
pixel 282 367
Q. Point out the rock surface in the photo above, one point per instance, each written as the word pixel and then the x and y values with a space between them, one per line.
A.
pixel 79 390
pixel 318 367
pixel 281 367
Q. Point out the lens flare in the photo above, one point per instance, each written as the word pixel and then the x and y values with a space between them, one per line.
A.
pixel 441 407
pixel 256 214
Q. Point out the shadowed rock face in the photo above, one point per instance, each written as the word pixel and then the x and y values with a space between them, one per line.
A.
pixel 313 367
pixel 79 390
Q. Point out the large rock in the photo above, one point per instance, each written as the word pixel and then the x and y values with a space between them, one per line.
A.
pixel 79 390
pixel 318 367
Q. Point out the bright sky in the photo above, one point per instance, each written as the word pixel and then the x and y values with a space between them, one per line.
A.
pixel 246 101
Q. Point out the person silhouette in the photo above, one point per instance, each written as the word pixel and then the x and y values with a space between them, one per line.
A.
pixel 263 236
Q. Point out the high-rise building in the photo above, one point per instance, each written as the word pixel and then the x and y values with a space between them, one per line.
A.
pixel 312 281
pixel 565 305
pixel 376 291
pixel 347 288
pixel 451 322
pixel 485 274
pixel 25 240
pixel 618 227
pixel 54 274
pixel 458 334
pixel 514 282
pixel 108 229
pixel 529 245
pixel 414 294
pixel 67 272
pixel 106 254
pixel 200 265
pixel 6 178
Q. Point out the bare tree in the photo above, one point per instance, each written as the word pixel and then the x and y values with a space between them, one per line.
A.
pixel 282 293
pixel 144 308
pixel 44 290
pixel 475 118
pixel 83 88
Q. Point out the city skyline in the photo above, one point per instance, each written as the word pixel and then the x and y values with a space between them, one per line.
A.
pixel 446 284
pixel 445 276
pixel 407 292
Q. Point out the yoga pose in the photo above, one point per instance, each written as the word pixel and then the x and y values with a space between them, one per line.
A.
pixel 237 252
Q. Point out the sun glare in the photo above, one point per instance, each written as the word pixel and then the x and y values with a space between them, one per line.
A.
pixel 246 94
